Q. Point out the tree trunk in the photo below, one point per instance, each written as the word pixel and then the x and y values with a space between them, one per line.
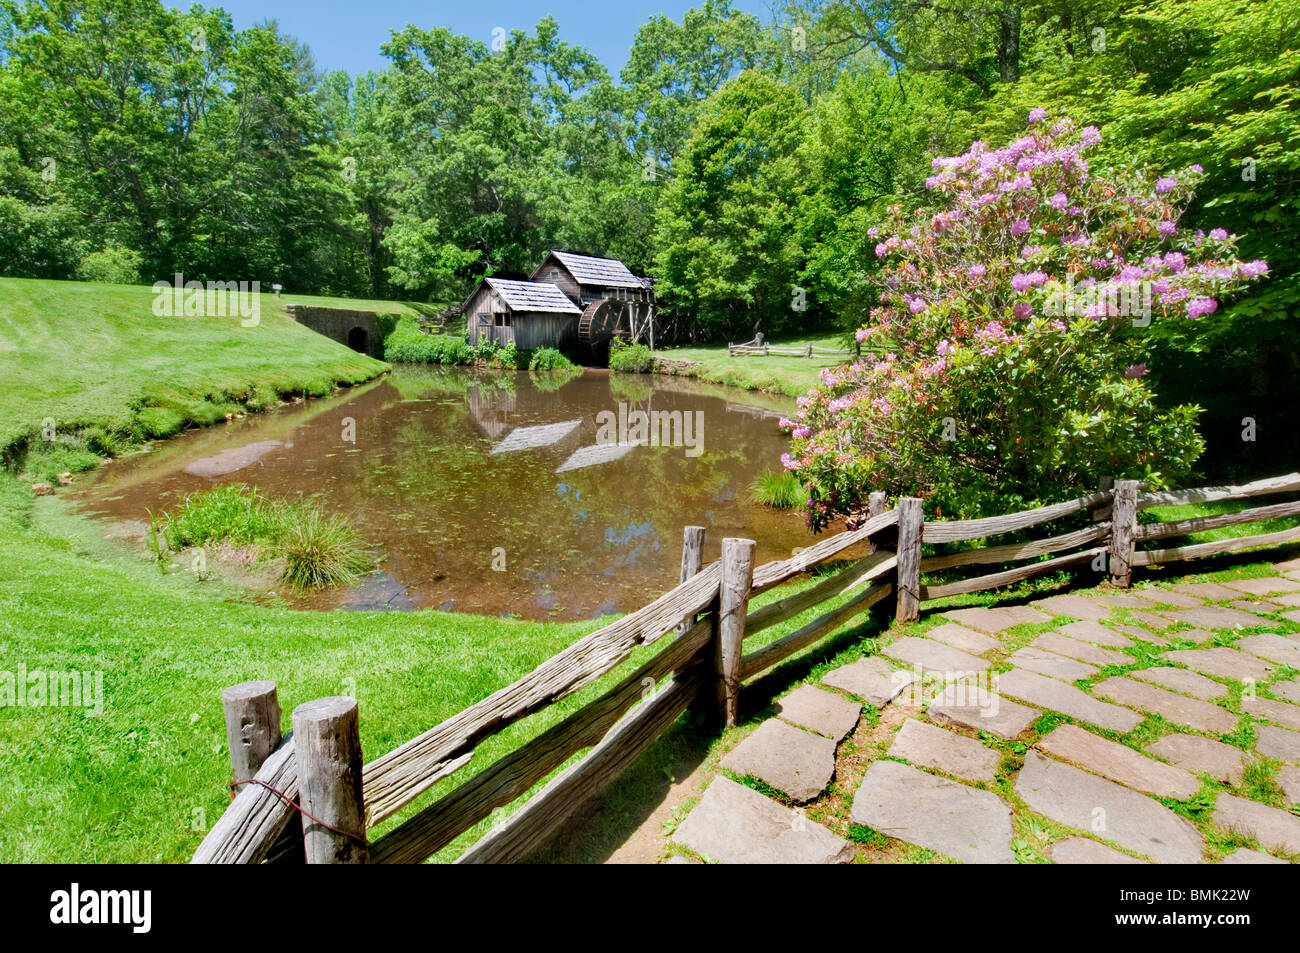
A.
pixel 1009 43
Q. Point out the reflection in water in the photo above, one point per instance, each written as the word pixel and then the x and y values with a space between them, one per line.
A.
pixel 471 514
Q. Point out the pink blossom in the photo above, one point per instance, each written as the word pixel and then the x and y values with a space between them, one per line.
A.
pixel 1019 226
pixel 1037 114
pixel 1165 184
pixel 1199 306
pixel 1060 200
pixel 1134 371
pixel 1219 234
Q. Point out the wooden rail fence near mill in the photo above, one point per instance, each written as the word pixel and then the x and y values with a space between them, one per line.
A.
pixel 309 797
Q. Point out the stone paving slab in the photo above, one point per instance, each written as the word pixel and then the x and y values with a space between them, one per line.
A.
pixel 735 825
pixel 1182 680
pixel 1181 710
pixel 1133 632
pixel 1076 607
pixel 1049 663
pixel 1096 634
pixel 934 656
pixel 1288 779
pixel 823 712
pixel 1153 621
pixel 981 710
pixel 1082 651
pixel 1118 600
pixel 1292 616
pixel 1244 855
pixel 790 759
pixel 1279 830
pixel 1207 590
pixel 1264 586
pixel 872 679
pixel 1071 796
pixel 1257 606
pixel 1287 564
pixel 1083 850
pixel 1222 662
pixel 925 745
pixel 1287 599
pixel 1168 597
pixel 1119 763
pixel 1281 743
pixel 1212 617
pixel 996 620
pixel 1204 755
pixel 946 816
pixel 1281 713
pixel 1288 689
pixel 960 637
pixel 1272 648
pixel 1058 696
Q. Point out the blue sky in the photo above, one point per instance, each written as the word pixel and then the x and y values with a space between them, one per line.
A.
pixel 347 35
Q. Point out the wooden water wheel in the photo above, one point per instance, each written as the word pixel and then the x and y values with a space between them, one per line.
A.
pixel 603 320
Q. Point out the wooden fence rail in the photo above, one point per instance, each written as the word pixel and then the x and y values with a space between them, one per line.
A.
pixel 317 769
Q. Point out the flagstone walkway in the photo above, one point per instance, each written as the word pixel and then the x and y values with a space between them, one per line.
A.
pixel 1156 725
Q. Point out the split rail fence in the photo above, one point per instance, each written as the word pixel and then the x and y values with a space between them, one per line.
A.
pixel 754 348
pixel 309 797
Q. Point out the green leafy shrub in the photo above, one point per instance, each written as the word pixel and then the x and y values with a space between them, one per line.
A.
pixel 492 354
pixel 630 358
pixel 549 359
pixel 407 344
pixel 114 265
pixel 1012 320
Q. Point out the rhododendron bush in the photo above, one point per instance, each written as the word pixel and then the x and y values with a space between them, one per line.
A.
pixel 1010 342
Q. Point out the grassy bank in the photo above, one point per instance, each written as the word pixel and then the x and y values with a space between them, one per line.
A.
pixel 791 376
pixel 95 362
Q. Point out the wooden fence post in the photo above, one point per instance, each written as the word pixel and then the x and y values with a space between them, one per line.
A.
pixel 692 560
pixel 1123 521
pixel 911 522
pixel 875 506
pixel 327 746
pixel 733 609
pixel 252 713
pixel 1103 512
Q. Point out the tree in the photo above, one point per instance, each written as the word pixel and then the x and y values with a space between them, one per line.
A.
pixel 728 249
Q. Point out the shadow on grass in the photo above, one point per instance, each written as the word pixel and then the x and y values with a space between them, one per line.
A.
pixel 609 820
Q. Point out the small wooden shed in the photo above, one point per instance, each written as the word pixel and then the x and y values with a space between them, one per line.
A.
pixel 532 314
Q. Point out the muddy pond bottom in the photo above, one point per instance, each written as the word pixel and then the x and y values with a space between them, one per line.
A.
pixel 539 496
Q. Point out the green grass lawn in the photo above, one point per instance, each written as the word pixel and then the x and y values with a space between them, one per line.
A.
pixel 783 375
pixel 144 780
pixel 86 355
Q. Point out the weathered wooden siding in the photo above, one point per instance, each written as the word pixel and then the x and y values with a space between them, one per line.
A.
pixel 534 330
pixel 485 299
pixel 562 280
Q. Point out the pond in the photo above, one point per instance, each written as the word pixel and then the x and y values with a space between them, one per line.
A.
pixel 498 493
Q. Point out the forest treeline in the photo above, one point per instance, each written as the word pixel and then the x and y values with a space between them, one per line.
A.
pixel 739 162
